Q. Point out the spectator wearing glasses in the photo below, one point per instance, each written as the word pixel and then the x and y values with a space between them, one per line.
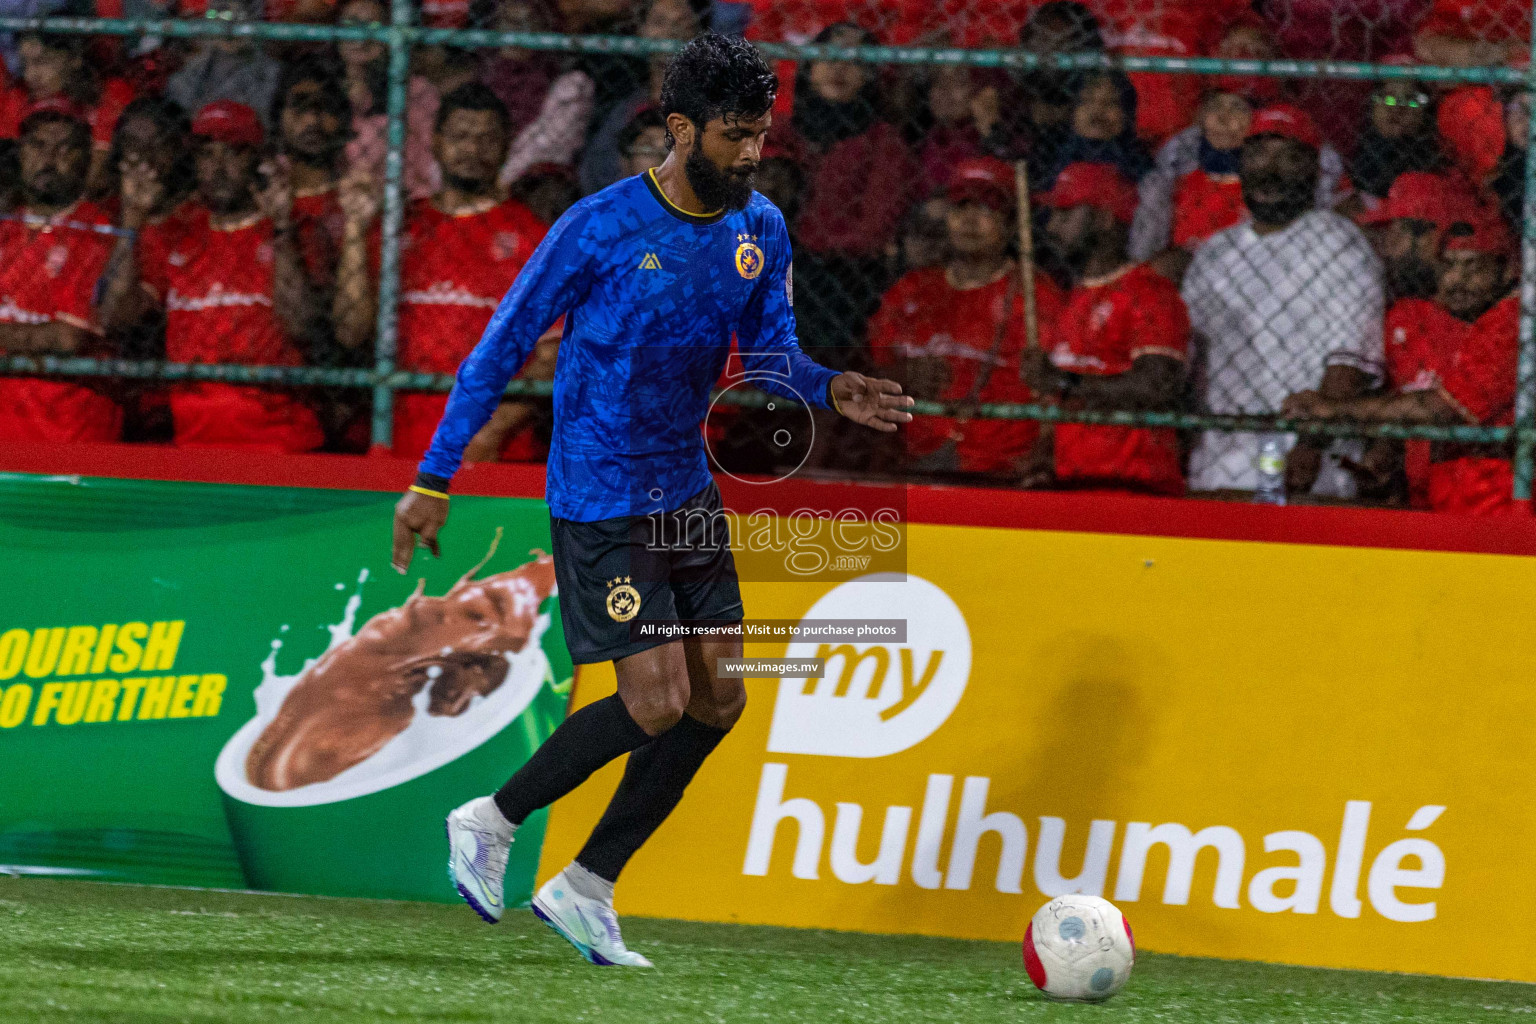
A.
pixel 1290 300
pixel 51 256
pixel 227 69
pixel 601 163
pixel 1398 136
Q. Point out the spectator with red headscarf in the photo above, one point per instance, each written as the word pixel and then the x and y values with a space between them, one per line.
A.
pixel 1121 343
pixel 51 255
pixel 956 332
pixel 1455 364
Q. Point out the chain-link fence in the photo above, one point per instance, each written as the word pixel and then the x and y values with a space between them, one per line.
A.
pixel 1149 245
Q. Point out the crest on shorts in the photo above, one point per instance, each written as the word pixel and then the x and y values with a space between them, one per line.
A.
pixel 623 599
pixel 749 259
pixel 57 257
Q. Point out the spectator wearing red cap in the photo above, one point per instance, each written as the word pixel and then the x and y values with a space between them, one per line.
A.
pixel 1412 220
pixel 955 333
pixel 50 258
pixel 231 279
pixel 1121 343
pixel 1191 150
pixel 54 68
pixel 1286 301
pixel 461 252
pixel 1453 362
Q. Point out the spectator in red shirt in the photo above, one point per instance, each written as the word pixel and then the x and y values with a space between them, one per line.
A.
pixel 860 169
pixel 50 260
pixel 1411 224
pixel 859 182
pixel 1457 372
pixel 1121 344
pixel 231 279
pixel 461 251
pixel 965 111
pixel 956 332
pixel 310 114
pixel 55 66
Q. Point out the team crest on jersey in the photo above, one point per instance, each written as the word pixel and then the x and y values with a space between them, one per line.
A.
pixel 749 258
pixel 264 254
pixel 623 599
pixel 55 260
pixel 504 245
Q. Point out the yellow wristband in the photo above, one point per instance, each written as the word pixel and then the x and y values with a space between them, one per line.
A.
pixel 835 407
pixel 430 494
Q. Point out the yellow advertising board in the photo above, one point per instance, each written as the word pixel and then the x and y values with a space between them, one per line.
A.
pixel 1287 752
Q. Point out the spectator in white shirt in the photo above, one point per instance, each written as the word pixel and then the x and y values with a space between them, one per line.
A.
pixel 1289 302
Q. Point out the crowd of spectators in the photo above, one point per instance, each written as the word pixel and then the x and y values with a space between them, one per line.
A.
pixel 1221 244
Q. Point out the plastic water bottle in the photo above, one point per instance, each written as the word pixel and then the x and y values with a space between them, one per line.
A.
pixel 1271 467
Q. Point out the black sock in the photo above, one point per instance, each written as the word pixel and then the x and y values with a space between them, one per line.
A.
pixel 582 744
pixel 654 780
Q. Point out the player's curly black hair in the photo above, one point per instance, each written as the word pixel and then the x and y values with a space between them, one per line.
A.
pixel 718 76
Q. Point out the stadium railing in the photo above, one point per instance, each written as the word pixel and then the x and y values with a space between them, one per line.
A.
pixel 401 34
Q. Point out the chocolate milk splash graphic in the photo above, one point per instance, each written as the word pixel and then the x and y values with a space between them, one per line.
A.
pixel 364 692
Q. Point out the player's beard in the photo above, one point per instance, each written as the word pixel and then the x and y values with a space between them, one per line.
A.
pixel 717 189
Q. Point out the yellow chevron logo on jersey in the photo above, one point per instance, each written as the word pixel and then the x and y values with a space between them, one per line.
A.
pixel 650 262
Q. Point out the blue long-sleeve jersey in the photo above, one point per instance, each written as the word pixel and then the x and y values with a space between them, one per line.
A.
pixel 652 296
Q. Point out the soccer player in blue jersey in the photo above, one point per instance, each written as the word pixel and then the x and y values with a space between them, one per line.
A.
pixel 654 275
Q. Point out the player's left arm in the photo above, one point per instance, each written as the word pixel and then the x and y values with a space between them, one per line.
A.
pixel 773 359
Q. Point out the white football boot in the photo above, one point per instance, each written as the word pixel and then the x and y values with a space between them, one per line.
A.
pixel 589 925
pixel 479 839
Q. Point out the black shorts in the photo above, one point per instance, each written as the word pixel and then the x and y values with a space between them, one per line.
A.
pixel 665 567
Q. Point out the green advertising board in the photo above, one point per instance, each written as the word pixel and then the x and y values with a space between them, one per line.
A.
pixel 217 685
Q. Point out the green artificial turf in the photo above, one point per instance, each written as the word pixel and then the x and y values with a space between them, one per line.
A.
pixel 77 951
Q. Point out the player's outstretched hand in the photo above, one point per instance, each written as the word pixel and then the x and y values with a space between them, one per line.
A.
pixel 871 401
pixel 416 515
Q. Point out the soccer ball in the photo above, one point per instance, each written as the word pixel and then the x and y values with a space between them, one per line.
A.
pixel 1079 948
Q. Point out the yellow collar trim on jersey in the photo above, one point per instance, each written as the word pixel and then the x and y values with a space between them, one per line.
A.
pixel 657 191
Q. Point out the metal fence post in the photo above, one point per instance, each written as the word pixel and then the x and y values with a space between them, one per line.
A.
pixel 1525 395
pixel 394 214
